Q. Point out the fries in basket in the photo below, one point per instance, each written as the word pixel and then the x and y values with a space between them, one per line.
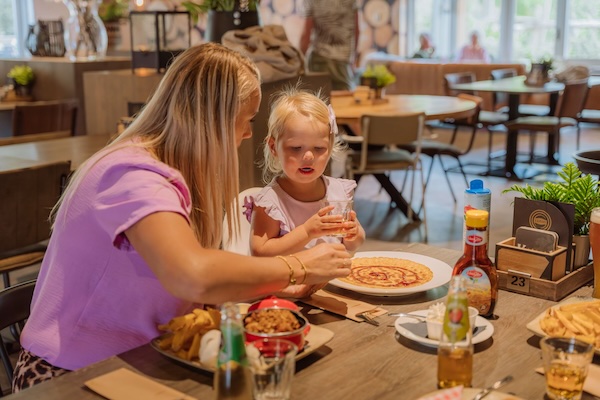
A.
pixel 187 331
pixel 579 320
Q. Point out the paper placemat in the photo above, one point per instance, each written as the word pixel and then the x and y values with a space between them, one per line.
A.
pixel 592 381
pixel 342 305
pixel 124 384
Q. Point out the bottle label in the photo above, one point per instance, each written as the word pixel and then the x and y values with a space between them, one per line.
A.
pixel 479 288
pixel 456 319
pixel 232 345
pixel 475 238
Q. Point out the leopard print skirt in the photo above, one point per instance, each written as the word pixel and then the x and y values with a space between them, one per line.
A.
pixel 31 370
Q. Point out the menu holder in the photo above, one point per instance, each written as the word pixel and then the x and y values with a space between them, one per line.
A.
pixel 538 264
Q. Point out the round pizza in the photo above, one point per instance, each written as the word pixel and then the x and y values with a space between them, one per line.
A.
pixel 387 273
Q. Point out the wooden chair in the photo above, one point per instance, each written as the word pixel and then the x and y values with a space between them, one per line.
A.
pixel 588 116
pixel 15 303
pixel 456 78
pixel 570 104
pixel 27 196
pixel 391 131
pixel 45 116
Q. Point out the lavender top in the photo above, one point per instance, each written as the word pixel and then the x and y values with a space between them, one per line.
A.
pixel 95 296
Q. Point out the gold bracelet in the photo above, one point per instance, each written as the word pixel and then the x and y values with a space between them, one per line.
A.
pixel 303 267
pixel 292 279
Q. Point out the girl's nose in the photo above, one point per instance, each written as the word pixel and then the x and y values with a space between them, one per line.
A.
pixel 309 155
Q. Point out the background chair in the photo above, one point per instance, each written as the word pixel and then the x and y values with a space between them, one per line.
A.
pixel 588 116
pixel 14 311
pixel 44 117
pixel 240 243
pixel 27 196
pixel 456 78
pixel 391 131
pixel 570 104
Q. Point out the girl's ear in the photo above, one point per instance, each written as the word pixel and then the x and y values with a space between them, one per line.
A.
pixel 271 143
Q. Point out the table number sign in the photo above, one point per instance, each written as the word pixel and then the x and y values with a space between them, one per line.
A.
pixel 518 281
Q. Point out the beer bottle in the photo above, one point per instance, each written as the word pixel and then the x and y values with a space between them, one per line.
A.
pixel 455 350
pixel 232 379
pixel 475 265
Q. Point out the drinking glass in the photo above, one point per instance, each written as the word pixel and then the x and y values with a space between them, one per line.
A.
pixel 340 208
pixel 273 364
pixel 595 244
pixel 566 362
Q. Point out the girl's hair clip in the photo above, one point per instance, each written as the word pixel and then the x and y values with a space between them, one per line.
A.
pixel 333 128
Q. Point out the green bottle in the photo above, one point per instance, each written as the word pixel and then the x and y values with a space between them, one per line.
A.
pixel 455 350
pixel 233 378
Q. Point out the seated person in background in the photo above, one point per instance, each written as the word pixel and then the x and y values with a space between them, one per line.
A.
pixel 290 213
pixel 474 51
pixel 427 49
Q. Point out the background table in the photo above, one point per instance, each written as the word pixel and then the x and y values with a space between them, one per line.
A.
pixel 361 361
pixel 515 87
pixel 347 111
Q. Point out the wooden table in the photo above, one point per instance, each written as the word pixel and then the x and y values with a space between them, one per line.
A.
pixel 361 361
pixel 347 111
pixel 75 148
pixel 515 87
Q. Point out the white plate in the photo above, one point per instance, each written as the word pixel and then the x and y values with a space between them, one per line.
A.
pixel 441 274
pixel 469 393
pixel 416 330
pixel 534 325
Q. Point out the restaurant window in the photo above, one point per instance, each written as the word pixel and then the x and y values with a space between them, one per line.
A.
pixel 13 26
pixel 481 16
pixel 535 30
pixel 583 30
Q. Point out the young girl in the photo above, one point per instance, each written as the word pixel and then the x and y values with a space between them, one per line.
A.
pixel 290 213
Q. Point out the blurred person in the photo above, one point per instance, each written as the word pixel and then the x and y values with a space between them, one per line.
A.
pixel 426 48
pixel 137 233
pixel 330 40
pixel 473 51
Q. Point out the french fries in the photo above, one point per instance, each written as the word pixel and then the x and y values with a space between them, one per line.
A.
pixel 578 320
pixel 187 330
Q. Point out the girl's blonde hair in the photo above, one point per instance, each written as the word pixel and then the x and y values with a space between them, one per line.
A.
pixel 287 103
pixel 189 124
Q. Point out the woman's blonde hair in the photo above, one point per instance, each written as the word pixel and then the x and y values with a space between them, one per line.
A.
pixel 287 103
pixel 189 124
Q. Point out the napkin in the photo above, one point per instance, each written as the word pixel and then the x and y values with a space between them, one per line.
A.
pixel 342 305
pixel 123 384
pixel 454 393
pixel 592 381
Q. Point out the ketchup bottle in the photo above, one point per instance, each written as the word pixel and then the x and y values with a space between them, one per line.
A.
pixel 475 265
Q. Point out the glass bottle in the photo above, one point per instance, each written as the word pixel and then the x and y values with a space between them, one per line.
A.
pixel 233 378
pixel 455 350
pixel 475 265
pixel 85 34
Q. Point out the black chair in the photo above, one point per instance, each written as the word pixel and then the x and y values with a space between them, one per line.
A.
pixel 15 303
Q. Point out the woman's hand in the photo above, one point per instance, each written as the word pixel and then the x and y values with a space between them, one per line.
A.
pixel 301 291
pixel 324 262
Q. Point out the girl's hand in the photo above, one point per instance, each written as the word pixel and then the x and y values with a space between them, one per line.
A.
pixel 322 224
pixel 351 228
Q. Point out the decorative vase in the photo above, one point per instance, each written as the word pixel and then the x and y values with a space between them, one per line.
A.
pixel 379 92
pixel 85 33
pixel 219 22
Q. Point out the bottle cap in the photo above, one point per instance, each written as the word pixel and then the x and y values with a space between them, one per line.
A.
pixel 476 187
pixel 477 218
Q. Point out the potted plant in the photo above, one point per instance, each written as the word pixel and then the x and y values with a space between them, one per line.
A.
pixel 110 12
pixel 224 15
pixel 377 77
pixel 22 78
pixel 574 187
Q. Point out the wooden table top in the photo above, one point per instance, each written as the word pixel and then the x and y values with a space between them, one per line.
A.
pixel 514 85
pixel 361 361
pixel 434 107
pixel 77 149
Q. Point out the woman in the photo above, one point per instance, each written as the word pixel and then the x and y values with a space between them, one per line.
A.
pixel 136 235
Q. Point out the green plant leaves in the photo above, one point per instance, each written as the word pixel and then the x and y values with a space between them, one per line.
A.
pixel 574 187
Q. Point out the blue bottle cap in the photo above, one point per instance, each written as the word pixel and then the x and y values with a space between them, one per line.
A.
pixel 476 187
